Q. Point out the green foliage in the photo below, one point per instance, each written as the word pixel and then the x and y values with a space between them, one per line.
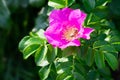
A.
pixel 76 63
pixel 112 61
pixel 94 59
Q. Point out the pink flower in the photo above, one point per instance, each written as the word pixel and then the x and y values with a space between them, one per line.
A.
pixel 66 27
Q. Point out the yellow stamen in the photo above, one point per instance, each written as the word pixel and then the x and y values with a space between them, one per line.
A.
pixel 70 33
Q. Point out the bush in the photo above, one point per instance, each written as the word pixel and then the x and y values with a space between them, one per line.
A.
pixel 96 58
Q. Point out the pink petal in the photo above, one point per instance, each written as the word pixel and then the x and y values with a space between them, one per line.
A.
pixel 65 12
pixel 59 15
pixel 77 15
pixel 52 41
pixel 82 18
pixel 86 33
pixel 54 28
pixel 76 42
pixel 54 15
pixel 53 34
pixel 72 43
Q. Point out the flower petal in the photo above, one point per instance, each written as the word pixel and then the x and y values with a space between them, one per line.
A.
pixel 53 34
pixel 59 15
pixel 76 42
pixel 52 40
pixel 54 16
pixel 54 28
pixel 86 33
pixel 65 13
pixel 82 18
pixel 72 43
pixel 77 15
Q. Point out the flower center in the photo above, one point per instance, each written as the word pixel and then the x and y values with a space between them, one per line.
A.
pixel 70 33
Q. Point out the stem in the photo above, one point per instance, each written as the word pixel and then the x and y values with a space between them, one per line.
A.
pixel 73 67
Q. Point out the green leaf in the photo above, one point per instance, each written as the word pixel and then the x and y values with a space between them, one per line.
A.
pixel 38 33
pixel 111 60
pixel 105 71
pixel 102 2
pixel 116 45
pixel 29 50
pixel 59 53
pixel 69 77
pixel 88 19
pixel 93 19
pixel 40 56
pixel 4 14
pixel 101 37
pixel 92 75
pixel 44 72
pixel 27 41
pixel 83 51
pixel 99 44
pixel 108 48
pixel 89 4
pixel 51 54
pixel 53 72
pixel 99 59
pixel 41 22
pixel 22 44
pixel 37 3
pixel 41 35
pixel 101 12
pixel 75 6
pixel 64 75
pixel 57 3
pixel 70 2
pixel 114 36
pixel 35 40
pixel 69 51
pixel 60 3
pixel 63 67
pixel 78 76
pixel 63 64
pixel 80 68
pixel 89 57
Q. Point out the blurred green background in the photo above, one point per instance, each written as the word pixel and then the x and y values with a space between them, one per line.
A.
pixel 17 19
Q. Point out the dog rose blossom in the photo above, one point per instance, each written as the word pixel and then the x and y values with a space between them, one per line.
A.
pixel 66 27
